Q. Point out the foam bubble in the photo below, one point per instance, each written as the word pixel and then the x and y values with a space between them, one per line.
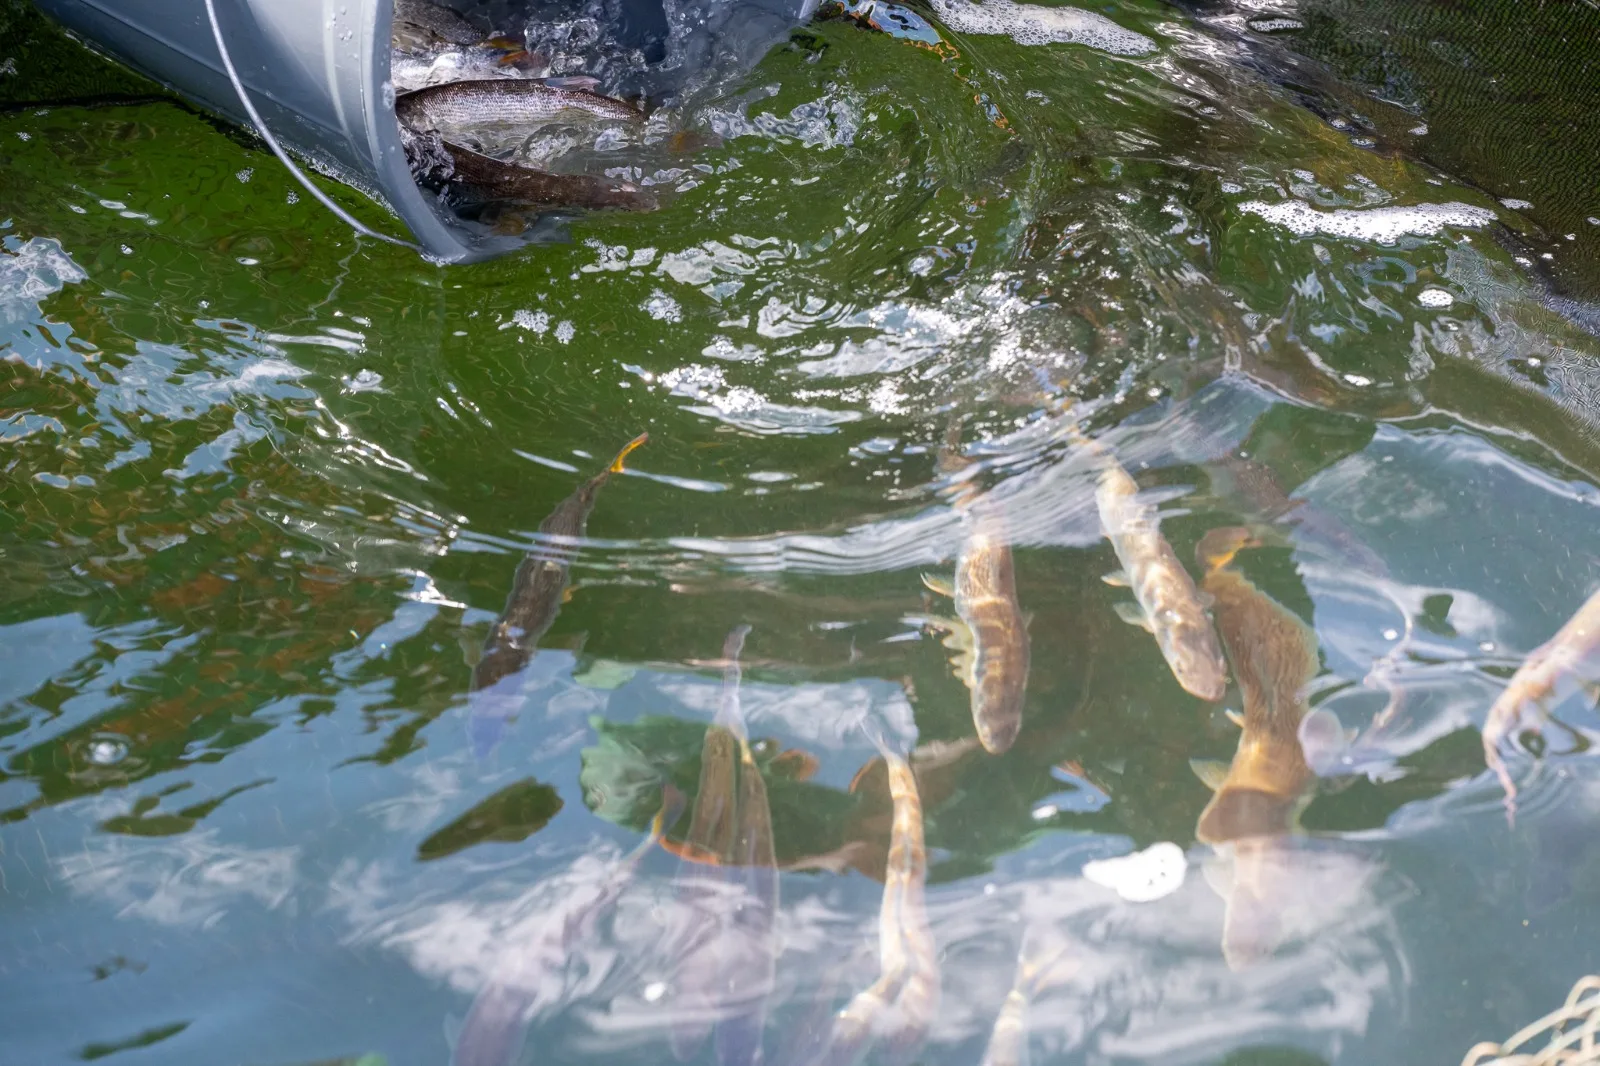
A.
pixel 1031 24
pixel 1384 225
pixel 1431 297
pixel 1143 876
pixel 1517 205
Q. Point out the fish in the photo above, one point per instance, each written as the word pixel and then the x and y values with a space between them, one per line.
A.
pixel 901 1003
pixel 1036 971
pixel 421 24
pixel 990 633
pixel 1169 605
pixel 728 881
pixel 1572 655
pixel 537 593
pixel 1274 657
pixel 478 177
pixel 486 102
pixel 496 1027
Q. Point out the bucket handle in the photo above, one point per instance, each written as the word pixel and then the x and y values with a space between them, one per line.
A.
pixel 277 150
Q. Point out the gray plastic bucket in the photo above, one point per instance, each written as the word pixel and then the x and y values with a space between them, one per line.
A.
pixel 316 70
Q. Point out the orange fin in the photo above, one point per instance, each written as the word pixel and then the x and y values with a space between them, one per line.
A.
pixel 616 464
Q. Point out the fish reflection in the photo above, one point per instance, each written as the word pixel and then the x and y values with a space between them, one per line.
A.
pixel 1259 796
pixel 728 884
pixel 1168 604
pixel 1038 968
pixel 497 1024
pixel 422 24
pixel 990 633
pixel 1570 658
pixel 900 1004
pixel 537 593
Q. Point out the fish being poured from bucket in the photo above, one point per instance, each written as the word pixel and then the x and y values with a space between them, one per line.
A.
pixel 1167 604
pixel 435 119
pixel 1260 795
pixel 989 635
pixel 728 889
pixel 537 593
pixel 1569 659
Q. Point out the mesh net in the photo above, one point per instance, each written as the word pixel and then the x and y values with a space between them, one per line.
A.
pixel 1568 1036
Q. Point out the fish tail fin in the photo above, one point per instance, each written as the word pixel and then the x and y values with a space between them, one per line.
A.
pixel 616 464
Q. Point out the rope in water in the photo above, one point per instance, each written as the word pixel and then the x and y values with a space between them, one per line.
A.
pixel 277 150
pixel 1576 1046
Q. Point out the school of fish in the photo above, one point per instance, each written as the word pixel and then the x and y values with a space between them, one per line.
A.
pixel 722 937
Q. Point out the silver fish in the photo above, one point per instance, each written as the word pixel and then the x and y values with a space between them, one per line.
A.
pixel 1169 605
pixel 465 105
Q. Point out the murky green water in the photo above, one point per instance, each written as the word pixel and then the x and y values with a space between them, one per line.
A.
pixel 265 491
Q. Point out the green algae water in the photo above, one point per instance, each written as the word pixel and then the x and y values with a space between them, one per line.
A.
pixel 266 488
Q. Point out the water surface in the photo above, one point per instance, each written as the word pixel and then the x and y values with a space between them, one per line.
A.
pixel 266 488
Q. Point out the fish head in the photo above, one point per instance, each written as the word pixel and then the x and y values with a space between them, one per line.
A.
pixel 1190 646
pixel 1218 547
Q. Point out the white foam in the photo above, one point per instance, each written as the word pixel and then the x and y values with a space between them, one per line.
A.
pixel 1142 876
pixel 1432 297
pixel 1384 225
pixel 1517 205
pixel 1032 24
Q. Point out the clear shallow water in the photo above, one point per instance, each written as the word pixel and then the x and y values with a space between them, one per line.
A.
pixel 265 492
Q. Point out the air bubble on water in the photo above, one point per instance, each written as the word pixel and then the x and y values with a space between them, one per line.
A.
pixel 535 321
pixel 245 260
pixel 1486 645
pixel 1434 297
pixel 1419 131
pixel 125 249
pixel 662 307
pixel 565 331
pixel 1391 634
pixel 364 381
pixel 292 198
pixel 1231 187
pixel 1516 204
pixel 107 750
pixel 245 175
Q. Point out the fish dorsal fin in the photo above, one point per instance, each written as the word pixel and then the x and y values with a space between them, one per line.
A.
pixel 939 585
pixel 1211 772
pixel 1117 579
pixel 1132 614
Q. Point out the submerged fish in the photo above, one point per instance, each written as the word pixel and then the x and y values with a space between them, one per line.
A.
pixel 1169 605
pixel 420 24
pixel 497 1023
pixel 1571 656
pixel 901 1003
pixel 475 104
pixel 1274 657
pixel 728 884
pixel 990 633
pixel 537 592
pixel 1260 795
pixel 483 178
